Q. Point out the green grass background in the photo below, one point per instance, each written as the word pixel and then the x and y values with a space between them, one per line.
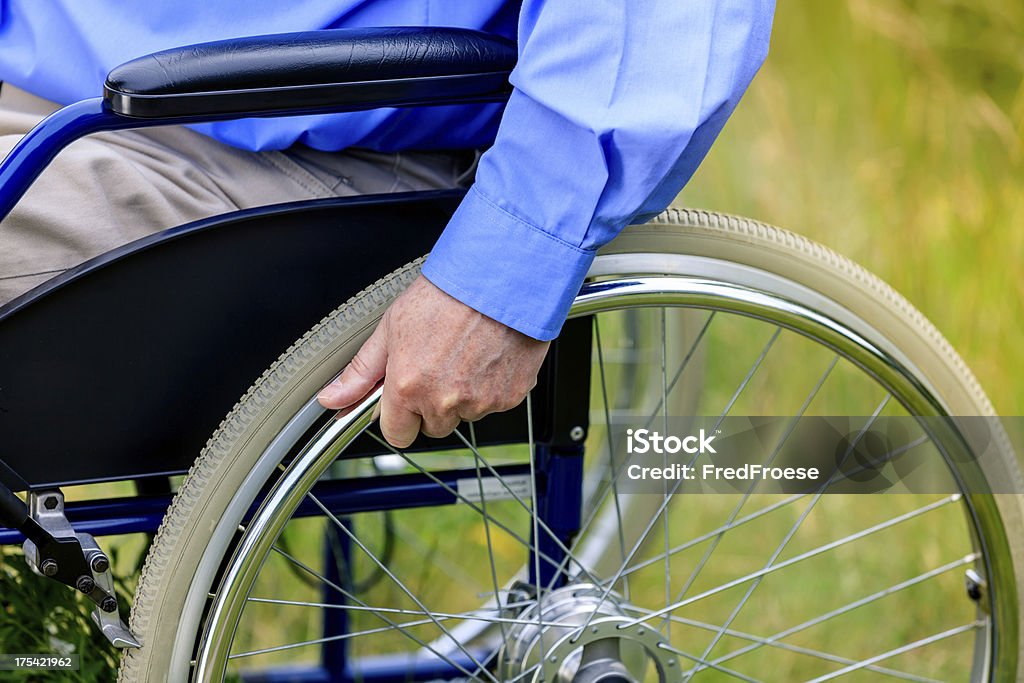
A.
pixel 892 133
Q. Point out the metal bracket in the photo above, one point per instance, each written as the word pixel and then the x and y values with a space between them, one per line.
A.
pixel 75 560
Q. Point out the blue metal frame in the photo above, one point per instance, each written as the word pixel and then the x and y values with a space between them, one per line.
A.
pixel 38 148
pixel 343 496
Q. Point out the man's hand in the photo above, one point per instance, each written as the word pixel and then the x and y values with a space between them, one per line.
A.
pixel 441 362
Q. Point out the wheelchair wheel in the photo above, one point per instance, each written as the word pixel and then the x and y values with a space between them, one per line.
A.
pixel 301 547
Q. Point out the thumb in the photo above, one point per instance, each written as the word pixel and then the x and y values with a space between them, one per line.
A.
pixel 361 375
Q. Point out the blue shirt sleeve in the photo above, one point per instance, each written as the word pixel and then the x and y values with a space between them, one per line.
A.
pixel 614 106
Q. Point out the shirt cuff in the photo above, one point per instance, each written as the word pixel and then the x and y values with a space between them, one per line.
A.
pixel 507 269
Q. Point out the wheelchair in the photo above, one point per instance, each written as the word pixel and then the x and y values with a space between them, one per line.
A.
pixel 294 544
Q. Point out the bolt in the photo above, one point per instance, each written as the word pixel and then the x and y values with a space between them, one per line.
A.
pixel 640 631
pixel 49 568
pixel 577 433
pixel 553 658
pixel 100 564
pixel 594 629
pixel 85 584
pixel 671 662
pixel 109 604
pixel 975 585
pixel 51 502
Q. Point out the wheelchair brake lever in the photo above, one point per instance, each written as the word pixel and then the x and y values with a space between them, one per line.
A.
pixel 53 549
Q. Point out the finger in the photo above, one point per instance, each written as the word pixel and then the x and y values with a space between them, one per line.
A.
pixel 438 427
pixel 361 375
pixel 398 425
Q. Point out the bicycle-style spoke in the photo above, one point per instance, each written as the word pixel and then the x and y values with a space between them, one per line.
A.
pixel 909 647
pixel 602 495
pixel 398 582
pixel 462 498
pixel 790 428
pixel 677 375
pixel 664 505
pixel 794 528
pixel 761 512
pixel 394 627
pixel 620 531
pixel 487 524
pixel 774 639
pixel 524 675
pixel 773 568
pixel 531 453
pixel 483 614
pixel 795 649
pixel 729 672
pixel 535 518
pixel 667 623
pixel 697 540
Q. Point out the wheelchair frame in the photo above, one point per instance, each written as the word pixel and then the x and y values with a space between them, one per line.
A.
pixel 161 336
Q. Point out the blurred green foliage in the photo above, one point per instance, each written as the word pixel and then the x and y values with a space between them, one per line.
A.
pixel 43 617
pixel 892 132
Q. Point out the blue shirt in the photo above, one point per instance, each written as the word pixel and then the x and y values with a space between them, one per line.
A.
pixel 615 105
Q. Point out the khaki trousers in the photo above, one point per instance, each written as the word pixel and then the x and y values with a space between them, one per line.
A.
pixel 112 188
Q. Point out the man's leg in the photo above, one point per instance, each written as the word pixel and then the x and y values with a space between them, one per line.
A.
pixel 112 188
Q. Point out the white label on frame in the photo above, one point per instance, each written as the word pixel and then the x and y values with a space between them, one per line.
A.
pixel 494 488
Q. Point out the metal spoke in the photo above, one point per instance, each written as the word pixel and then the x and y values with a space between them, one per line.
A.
pixel 487 527
pixel 603 495
pixel 684 363
pixel 803 556
pixel 349 596
pixel 796 649
pixel 900 650
pixel 694 658
pixel 697 540
pixel 666 623
pixel 750 489
pixel 611 455
pixel 769 508
pixel 524 674
pixel 794 529
pixel 496 522
pixel 528 508
pixel 531 454
pixel 661 510
pixel 405 589
pixel 472 615
pixel 454 571
pixel 773 639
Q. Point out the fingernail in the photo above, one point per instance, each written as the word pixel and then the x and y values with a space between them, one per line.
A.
pixel 329 392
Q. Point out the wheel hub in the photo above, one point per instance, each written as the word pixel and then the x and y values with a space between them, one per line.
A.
pixel 572 635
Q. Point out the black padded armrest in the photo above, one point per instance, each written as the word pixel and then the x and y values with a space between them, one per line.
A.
pixel 337 70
